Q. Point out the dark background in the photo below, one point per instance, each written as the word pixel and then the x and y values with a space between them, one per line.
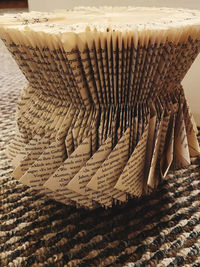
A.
pixel 14 4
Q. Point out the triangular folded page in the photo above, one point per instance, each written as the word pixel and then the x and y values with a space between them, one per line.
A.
pixel 32 152
pixel 131 180
pixel 59 180
pixel 47 163
pixel 181 150
pixel 107 175
pixel 150 143
pixel 167 156
pixel 154 172
pixel 82 178
pixel 25 150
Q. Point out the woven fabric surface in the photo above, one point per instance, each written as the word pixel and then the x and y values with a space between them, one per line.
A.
pixel 158 230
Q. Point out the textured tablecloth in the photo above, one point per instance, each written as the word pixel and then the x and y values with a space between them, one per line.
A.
pixel 158 230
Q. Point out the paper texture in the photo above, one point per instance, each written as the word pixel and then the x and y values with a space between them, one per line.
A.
pixel 132 178
pixel 62 176
pixel 107 175
pixel 103 116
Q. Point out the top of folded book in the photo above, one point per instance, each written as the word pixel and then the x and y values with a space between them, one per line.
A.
pixel 103 19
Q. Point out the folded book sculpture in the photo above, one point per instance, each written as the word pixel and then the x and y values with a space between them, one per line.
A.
pixel 104 115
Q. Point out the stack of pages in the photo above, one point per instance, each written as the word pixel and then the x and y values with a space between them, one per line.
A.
pixel 103 116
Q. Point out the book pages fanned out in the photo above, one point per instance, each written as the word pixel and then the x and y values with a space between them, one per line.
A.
pixel 103 117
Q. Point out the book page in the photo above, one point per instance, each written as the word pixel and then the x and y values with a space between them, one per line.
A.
pixel 191 131
pixel 181 150
pixel 140 70
pixel 25 150
pixel 60 68
pixel 94 65
pixel 107 122
pixel 109 64
pixel 58 197
pixel 153 176
pixel 66 122
pixel 32 154
pixel 99 60
pixel 94 164
pixel 36 146
pixel 114 65
pixel 125 64
pixel 101 125
pixel 59 180
pixel 72 55
pixel 77 126
pixel 107 175
pixel 93 131
pixel 69 143
pixel 152 48
pixel 83 126
pixel 133 136
pixel 85 51
pixel 47 163
pixel 163 135
pixel 120 123
pixel 87 128
pixel 131 180
pixel 167 156
pixel 104 55
pixel 82 178
pixel 17 144
pixel 150 142
pixel 119 67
